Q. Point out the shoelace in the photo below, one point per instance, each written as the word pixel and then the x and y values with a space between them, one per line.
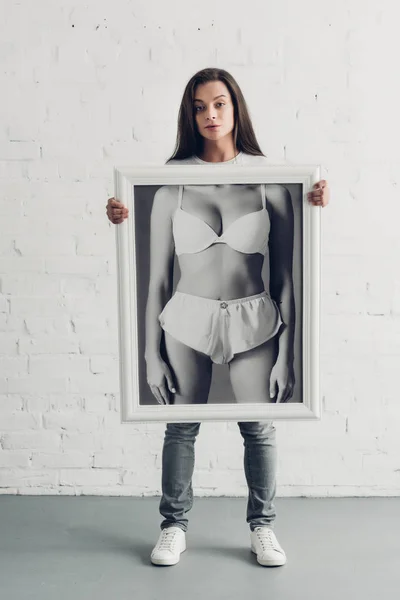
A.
pixel 267 539
pixel 168 540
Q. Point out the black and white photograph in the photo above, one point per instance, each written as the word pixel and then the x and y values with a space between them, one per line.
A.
pixel 216 325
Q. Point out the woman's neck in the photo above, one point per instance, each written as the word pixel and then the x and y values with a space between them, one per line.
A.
pixel 215 153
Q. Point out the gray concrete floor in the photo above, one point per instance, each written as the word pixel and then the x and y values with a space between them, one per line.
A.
pixel 95 548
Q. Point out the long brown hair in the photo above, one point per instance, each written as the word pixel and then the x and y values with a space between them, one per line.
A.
pixel 189 142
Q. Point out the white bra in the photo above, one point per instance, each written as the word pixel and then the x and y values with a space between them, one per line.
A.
pixel 249 234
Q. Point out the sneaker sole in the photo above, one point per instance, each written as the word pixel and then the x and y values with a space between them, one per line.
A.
pixel 165 562
pixel 277 562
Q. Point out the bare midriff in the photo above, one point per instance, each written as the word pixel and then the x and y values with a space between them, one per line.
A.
pixel 221 273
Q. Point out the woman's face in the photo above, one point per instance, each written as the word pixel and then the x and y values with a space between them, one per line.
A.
pixel 213 106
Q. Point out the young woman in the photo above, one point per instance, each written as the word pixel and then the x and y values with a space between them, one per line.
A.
pixel 220 311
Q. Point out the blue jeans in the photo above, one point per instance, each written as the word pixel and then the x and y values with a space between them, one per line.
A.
pixel 259 467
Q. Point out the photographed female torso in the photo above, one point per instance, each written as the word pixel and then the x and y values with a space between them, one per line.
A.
pixel 221 239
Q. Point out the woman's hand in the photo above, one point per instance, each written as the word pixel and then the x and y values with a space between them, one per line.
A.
pixel 320 194
pixel 282 378
pixel 116 211
pixel 160 380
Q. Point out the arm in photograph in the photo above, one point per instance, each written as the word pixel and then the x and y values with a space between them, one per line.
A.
pixel 161 267
pixel 281 260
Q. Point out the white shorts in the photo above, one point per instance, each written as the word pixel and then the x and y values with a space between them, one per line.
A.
pixel 218 328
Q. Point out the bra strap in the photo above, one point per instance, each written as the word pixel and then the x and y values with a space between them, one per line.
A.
pixel 180 196
pixel 264 202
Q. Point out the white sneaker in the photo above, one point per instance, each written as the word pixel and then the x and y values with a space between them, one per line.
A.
pixel 266 546
pixel 170 544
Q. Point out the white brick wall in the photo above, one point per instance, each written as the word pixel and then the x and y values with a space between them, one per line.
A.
pixel 87 86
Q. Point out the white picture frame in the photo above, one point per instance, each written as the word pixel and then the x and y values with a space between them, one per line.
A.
pixel 133 181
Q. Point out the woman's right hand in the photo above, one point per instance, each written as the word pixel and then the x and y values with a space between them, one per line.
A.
pixel 160 380
pixel 116 211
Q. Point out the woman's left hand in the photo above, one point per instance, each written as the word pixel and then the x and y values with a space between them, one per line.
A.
pixel 282 377
pixel 319 195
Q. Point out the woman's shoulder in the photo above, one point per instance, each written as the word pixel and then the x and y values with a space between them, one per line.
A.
pixel 167 193
pixel 278 198
pixel 165 203
pixel 191 160
pixel 251 159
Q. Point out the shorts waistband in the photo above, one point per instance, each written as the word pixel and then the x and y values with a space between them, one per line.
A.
pixel 214 302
